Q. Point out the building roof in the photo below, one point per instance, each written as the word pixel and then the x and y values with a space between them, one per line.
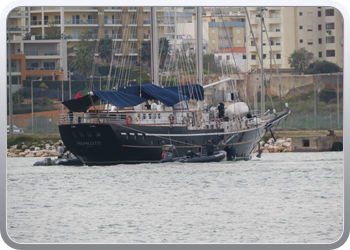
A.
pixel 232 50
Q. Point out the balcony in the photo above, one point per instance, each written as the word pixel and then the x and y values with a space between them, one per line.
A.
pixel 117 51
pixel 132 9
pixel 76 37
pixel 35 23
pixel 117 36
pixel 133 51
pixel 132 37
pixel 19 14
pixel 80 22
pixel 146 36
pixel 146 9
pixel 81 8
pixel 113 8
pixel 146 22
pixel 275 33
pixel 225 35
pixel 115 21
pixel 43 68
pixel 42 53
pixel 52 8
pixel 19 29
pixel 132 22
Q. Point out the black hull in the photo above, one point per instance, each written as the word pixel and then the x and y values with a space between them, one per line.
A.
pixel 106 144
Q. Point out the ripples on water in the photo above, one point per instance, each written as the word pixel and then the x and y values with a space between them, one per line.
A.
pixel 280 198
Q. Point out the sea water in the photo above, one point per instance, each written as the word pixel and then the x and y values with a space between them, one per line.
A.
pixel 279 198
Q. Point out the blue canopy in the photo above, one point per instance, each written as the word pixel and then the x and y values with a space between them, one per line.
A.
pixel 130 96
pixel 119 99
pixel 193 91
pixel 150 91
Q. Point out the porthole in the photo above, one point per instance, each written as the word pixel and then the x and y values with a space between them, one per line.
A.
pixel 158 116
pixel 89 133
pixel 81 133
pixel 144 116
pixel 135 136
pixel 98 134
pixel 151 142
pixel 127 136
pixel 143 136
pixel 149 116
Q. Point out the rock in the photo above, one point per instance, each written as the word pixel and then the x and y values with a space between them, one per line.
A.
pixel 288 139
pixel 36 148
pixel 270 141
pixel 287 150
pixel 281 149
pixel 17 151
pixel 29 155
pixel 266 145
pixel 286 144
pixel 266 151
pixel 279 141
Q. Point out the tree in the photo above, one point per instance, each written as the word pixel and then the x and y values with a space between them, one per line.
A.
pixel 324 66
pixel 209 63
pixel 43 87
pixel 163 50
pixel 83 60
pixel 145 52
pixel 105 49
pixel 146 55
pixel 53 32
pixel 300 59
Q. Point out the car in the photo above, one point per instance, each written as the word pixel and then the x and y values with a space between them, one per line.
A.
pixel 15 130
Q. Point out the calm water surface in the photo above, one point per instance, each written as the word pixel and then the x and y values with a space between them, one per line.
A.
pixel 280 198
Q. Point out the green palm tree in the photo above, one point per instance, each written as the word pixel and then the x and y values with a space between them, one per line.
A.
pixel 83 60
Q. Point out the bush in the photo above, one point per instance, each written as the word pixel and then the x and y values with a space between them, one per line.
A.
pixel 327 94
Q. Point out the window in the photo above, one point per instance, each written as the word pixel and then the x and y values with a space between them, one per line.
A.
pixel 320 41
pixel 239 41
pixel 310 43
pixel 227 58
pixel 238 31
pixel 76 19
pixel 264 56
pixel 278 56
pixel 106 33
pixel 319 13
pixel 329 26
pixel 219 58
pixel 306 143
pixel 319 27
pixel 300 27
pixel 330 39
pixel 309 28
pixel 301 40
pixel 244 57
pixel 46 20
pixel 330 53
pixel 252 43
pixel 213 20
pixel 300 13
pixel 330 12
pixel 253 57
pixel 213 41
pixel 213 31
pixel 320 54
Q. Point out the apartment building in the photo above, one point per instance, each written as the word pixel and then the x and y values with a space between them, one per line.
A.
pixel 36 57
pixel 318 29
pixel 226 27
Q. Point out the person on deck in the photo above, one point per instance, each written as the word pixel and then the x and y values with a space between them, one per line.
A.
pixel 210 148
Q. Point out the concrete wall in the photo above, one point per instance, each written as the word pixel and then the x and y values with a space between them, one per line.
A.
pixel 316 144
pixel 293 85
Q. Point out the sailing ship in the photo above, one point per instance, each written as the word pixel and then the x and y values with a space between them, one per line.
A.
pixel 148 116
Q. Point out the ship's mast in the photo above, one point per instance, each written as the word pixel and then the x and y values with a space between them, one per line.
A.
pixel 199 51
pixel 154 47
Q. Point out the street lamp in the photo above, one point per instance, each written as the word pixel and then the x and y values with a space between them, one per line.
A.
pixel 70 83
pixel 54 74
pixel 33 102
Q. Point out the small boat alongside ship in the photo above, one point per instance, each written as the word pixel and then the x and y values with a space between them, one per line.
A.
pixel 66 160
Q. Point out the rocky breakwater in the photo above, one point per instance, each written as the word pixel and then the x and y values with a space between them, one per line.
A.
pixel 278 146
pixel 44 149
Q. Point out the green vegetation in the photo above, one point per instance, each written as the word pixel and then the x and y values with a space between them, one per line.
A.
pixel 29 140
pixel 319 67
pixel 300 59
